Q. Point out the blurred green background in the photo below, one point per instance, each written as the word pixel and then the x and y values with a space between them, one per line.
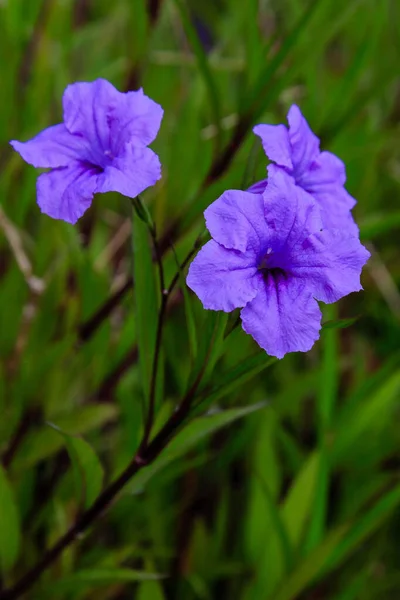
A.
pixel 289 487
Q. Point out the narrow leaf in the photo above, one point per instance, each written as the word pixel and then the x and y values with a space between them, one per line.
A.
pixel 210 346
pixel 298 504
pixel 310 567
pixel 379 224
pixel 146 304
pixel 188 438
pixel 257 96
pixel 150 590
pixel 339 323
pixel 216 346
pixel 365 526
pixel 356 423
pixel 232 379
pixel 10 535
pixel 92 578
pixel 88 469
pixel 268 544
pixel 45 441
pixel 203 65
pixel 190 322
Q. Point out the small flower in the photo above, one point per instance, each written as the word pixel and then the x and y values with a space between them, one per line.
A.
pixel 322 174
pixel 100 147
pixel 270 257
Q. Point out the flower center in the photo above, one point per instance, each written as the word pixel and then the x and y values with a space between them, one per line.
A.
pixel 268 264
pixel 95 169
pixel 109 154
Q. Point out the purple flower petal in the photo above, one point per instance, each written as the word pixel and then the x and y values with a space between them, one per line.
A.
pixel 53 147
pixel 236 220
pixel 334 210
pixel 304 143
pixel 277 257
pixel 131 173
pixel 291 214
pixel 100 147
pixel 137 119
pixel 223 279
pixel 283 317
pixel 87 109
pixel 110 119
pixel 325 180
pixel 327 168
pixel 258 187
pixel 331 262
pixel 276 144
pixel 66 193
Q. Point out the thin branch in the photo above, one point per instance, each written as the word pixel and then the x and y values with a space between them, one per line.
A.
pixel 158 343
pixel 185 262
pixel 112 379
pixel 153 8
pixel 28 418
pixel 32 46
pixel 148 453
pixel 14 238
pixel 89 327
pixel 130 358
pixel 165 294
pixel 217 169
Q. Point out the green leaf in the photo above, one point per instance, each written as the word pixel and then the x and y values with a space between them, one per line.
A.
pixel 372 29
pixel 204 68
pixel 10 535
pixel 262 86
pixel 365 526
pixel 188 438
pixel 142 211
pixel 379 224
pixel 254 39
pixel 356 425
pixel 190 322
pixel 353 591
pixel 298 504
pixel 216 344
pixel 330 369
pixel 370 385
pixel 146 304
pixel 210 346
pixel 232 379
pixel 150 590
pixel 45 442
pixel 91 578
pixel 249 175
pixel 337 546
pixel 318 516
pixel 267 541
pixel 87 467
pixel 310 567
pixel 138 26
pixel 339 323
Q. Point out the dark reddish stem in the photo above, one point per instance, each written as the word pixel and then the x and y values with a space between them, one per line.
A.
pixel 158 342
pixel 148 453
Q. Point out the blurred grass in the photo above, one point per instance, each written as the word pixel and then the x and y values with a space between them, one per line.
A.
pixel 298 500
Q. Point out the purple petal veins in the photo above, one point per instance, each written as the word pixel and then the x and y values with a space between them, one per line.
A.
pixel 271 256
pixel 100 147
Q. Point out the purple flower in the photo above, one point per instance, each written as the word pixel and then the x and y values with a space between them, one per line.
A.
pixel 100 147
pixel 322 174
pixel 270 257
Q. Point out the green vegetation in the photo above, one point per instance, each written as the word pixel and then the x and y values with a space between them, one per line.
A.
pixel 288 487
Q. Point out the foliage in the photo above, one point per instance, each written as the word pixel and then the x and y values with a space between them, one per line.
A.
pixel 288 486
